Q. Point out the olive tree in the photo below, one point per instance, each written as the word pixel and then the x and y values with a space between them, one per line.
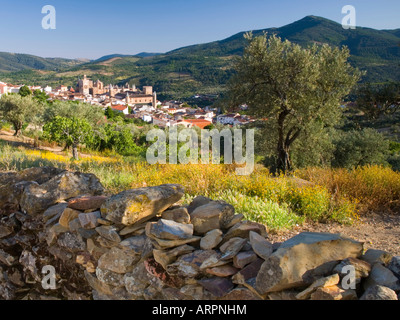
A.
pixel 19 110
pixel 291 88
pixel 71 131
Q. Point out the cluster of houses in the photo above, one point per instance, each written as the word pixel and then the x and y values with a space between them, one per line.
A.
pixel 136 103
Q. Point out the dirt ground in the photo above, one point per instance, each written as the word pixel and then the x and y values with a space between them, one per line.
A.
pixel 376 231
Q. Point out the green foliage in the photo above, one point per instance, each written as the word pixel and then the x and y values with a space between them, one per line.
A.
pixel 71 131
pixel 18 110
pixel 360 147
pixel 296 89
pixel 25 91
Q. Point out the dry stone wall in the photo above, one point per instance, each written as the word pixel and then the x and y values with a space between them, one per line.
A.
pixel 62 237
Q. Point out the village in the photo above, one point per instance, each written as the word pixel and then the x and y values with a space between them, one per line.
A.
pixel 135 103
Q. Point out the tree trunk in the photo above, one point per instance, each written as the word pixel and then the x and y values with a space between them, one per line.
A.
pixel 75 152
pixel 283 161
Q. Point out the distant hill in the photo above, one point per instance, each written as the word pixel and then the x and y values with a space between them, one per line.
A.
pixel 18 61
pixel 206 68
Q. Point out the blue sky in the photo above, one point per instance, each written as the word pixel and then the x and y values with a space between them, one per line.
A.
pixel 91 29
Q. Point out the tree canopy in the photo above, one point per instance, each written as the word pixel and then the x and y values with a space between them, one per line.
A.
pixel 291 88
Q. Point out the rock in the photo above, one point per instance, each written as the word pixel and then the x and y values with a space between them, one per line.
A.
pixel 169 230
pixel 362 268
pixel 248 272
pixel 86 203
pixel 394 266
pixel 211 239
pixel 67 216
pixel 6 258
pixel 242 294
pixel 320 283
pixel 188 265
pixel 117 260
pixel 285 295
pixel 109 277
pixel 142 204
pixel 109 232
pixel 261 246
pixel 133 229
pixel 5 231
pixel 137 280
pixel 382 276
pixel 378 292
pixel 180 215
pixel 165 244
pixel 223 271
pixel 219 287
pixel 155 269
pixel 193 291
pixel 89 220
pixel 334 293
pixel 134 244
pixel 373 256
pixel 242 259
pixel 54 211
pixel 74 225
pixel 197 202
pixel 242 230
pixel 235 219
pixel 97 285
pixel 37 198
pixel 213 215
pixel 214 260
pixel 71 241
pixel 300 259
pixel 166 257
pixel 232 248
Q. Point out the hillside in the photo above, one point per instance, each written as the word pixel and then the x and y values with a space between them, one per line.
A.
pixel 206 68
pixel 18 61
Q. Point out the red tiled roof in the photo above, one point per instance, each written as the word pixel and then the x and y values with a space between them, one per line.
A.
pixel 119 107
pixel 198 122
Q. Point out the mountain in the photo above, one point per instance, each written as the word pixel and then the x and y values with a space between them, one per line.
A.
pixel 19 61
pixel 206 68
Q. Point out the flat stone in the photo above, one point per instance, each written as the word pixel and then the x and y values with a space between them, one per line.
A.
pixel 378 292
pixel 166 257
pixel 155 269
pixel 36 198
pixel 197 202
pixel 213 215
pixel 89 220
pixel 261 246
pixel 235 219
pixel 109 277
pixel 169 230
pixel 242 230
pixel 320 283
pixel 164 244
pixel 334 293
pixel 132 229
pixel 67 216
pixel 214 260
pixel 223 271
pixel 303 258
pixel 7 258
pixel 85 203
pixel 248 272
pixel 5 231
pixel 232 248
pixel 97 285
pixel 54 210
pixel 180 215
pixel 188 265
pixel 109 232
pixel 142 204
pixel 211 239
pixel 219 287
pixel 242 259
